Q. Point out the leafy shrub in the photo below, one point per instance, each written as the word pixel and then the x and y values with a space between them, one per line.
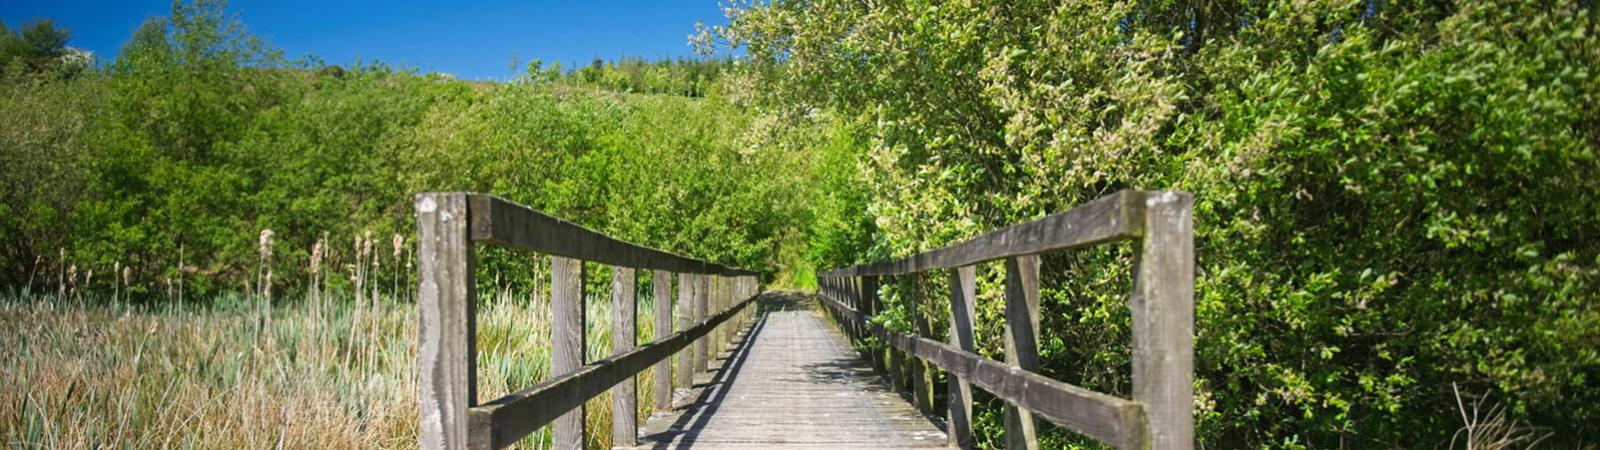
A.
pixel 1391 197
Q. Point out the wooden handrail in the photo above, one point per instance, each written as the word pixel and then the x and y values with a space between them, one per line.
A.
pixel 501 222
pixel 1110 218
pixel 450 417
pixel 1162 302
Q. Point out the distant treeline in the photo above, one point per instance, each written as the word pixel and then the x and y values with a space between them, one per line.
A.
pixel 690 77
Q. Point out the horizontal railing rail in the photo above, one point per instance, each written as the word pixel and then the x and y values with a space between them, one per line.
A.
pixel 1160 414
pixel 712 300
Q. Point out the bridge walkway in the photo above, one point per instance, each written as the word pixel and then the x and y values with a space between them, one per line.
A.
pixel 791 381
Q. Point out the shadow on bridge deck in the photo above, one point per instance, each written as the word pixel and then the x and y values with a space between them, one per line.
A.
pixel 790 381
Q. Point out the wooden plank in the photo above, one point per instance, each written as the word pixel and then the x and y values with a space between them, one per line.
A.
pixel 500 221
pixel 661 284
pixel 686 362
pixel 567 342
pixel 1022 341
pixel 624 413
pixel 795 383
pixel 1116 216
pixel 1163 320
pixel 447 370
pixel 963 307
pixel 509 418
pixel 1109 419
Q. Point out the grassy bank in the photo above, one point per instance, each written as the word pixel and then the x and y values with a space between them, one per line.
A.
pixel 84 375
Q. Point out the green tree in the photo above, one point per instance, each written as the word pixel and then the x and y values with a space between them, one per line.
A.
pixel 39 45
pixel 1391 197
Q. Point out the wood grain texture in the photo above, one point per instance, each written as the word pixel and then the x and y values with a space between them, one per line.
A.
pixel 921 386
pixel 1163 321
pixel 500 221
pixel 793 382
pixel 513 416
pixel 661 287
pixel 1109 419
pixel 963 307
pixel 702 298
pixel 1112 217
pixel 624 410
pixel 1022 341
pixel 567 342
pixel 445 303
pixel 686 364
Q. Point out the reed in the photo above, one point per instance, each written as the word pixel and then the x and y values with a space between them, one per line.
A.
pixel 87 374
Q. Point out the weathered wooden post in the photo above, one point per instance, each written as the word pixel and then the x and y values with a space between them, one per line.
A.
pixel 869 293
pixel 893 359
pixel 661 284
pixel 963 289
pixel 1022 341
pixel 702 346
pixel 686 364
pixel 719 302
pixel 624 413
pixel 1163 320
pixel 921 388
pixel 567 338
pixel 446 305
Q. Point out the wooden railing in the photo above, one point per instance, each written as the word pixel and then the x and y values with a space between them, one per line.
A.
pixel 448 226
pixel 1160 415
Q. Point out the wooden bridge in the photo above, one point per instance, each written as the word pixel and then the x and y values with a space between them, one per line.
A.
pixel 801 370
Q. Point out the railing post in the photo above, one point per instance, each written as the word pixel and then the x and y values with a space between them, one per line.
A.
pixel 446 355
pixel 624 413
pixel 721 300
pixel 702 346
pixel 686 362
pixel 1022 341
pixel 963 287
pixel 567 336
pixel 869 292
pixel 921 389
pixel 894 360
pixel 1163 320
pixel 661 284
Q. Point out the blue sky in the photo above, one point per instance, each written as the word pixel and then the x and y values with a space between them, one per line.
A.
pixel 472 40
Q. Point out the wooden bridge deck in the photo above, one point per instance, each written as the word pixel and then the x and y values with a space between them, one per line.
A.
pixel 791 382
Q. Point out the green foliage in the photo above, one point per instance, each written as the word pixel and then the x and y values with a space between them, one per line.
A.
pixel 173 157
pixel 38 46
pixel 1391 197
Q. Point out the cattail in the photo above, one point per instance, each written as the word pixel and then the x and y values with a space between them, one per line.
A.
pixel 61 285
pixel 116 288
pixel 266 242
pixel 316 269
pixel 72 279
pixel 264 272
pixel 127 274
pixel 399 244
pixel 36 260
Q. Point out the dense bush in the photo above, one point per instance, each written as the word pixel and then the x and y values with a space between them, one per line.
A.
pixel 1393 199
pixel 171 158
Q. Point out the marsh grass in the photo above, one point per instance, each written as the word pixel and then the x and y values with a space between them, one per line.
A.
pixel 80 375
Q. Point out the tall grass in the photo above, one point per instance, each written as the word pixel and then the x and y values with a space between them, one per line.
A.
pixel 77 374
